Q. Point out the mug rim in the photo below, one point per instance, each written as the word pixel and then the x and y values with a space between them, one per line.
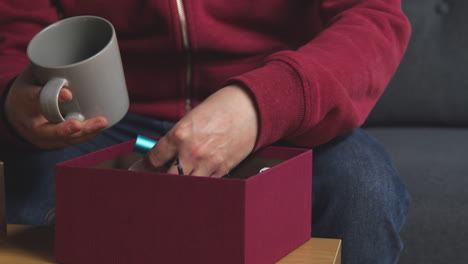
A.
pixel 65 20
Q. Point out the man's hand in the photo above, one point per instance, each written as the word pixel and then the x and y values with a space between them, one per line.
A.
pixel 213 138
pixel 23 113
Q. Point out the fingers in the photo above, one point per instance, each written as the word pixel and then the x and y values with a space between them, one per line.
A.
pixel 186 162
pixel 69 132
pixel 178 168
pixel 166 154
pixel 78 131
pixel 161 154
pixel 49 131
pixel 219 173
pixel 212 138
pixel 22 110
pixel 71 127
pixel 94 125
pixel 200 168
pixel 64 129
pixel 206 171
pixel 65 95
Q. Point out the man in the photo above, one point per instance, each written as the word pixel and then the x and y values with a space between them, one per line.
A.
pixel 303 72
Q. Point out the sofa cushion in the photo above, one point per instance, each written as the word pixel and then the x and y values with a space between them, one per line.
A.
pixel 434 165
pixel 431 84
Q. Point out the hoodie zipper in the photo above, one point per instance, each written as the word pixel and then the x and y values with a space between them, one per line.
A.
pixel 186 47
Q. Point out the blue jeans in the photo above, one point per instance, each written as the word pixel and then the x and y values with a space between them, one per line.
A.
pixel 357 193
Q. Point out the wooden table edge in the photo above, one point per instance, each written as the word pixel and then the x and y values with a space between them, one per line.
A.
pixel 314 251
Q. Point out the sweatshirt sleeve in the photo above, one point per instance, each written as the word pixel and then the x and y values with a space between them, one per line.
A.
pixel 329 85
pixel 20 20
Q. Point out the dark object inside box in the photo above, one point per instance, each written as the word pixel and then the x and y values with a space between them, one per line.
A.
pixel 247 168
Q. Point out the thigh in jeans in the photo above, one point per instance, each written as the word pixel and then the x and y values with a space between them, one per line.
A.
pixel 358 196
pixel 30 173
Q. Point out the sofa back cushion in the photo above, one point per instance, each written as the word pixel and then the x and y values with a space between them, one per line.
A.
pixel 430 87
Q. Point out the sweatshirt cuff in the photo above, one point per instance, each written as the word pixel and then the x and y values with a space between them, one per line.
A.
pixel 9 137
pixel 279 95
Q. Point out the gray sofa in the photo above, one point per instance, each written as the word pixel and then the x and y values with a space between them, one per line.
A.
pixel 422 120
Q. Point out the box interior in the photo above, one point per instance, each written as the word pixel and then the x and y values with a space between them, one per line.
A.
pixel 249 167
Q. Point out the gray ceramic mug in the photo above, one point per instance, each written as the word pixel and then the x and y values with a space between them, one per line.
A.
pixel 82 54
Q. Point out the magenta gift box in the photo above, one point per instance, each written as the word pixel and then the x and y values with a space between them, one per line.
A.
pixel 105 214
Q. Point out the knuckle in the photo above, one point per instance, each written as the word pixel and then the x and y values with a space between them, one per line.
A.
pixel 217 160
pixel 197 152
pixel 180 133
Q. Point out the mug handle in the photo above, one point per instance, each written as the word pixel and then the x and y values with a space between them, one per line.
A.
pixel 48 101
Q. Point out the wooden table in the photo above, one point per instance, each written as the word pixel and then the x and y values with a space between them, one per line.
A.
pixel 34 245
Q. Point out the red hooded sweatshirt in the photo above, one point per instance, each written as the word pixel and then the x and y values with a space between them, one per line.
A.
pixel 315 68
